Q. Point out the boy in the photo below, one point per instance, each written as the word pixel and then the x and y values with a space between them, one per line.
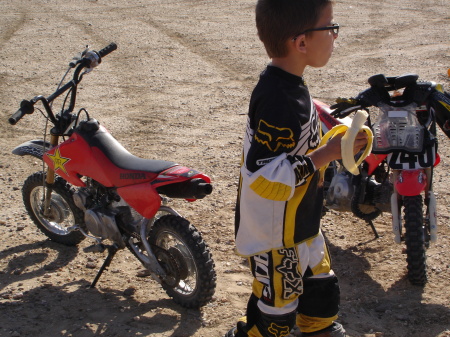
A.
pixel 280 195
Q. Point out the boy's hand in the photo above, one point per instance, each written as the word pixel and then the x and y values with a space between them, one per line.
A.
pixel 360 142
pixel 333 147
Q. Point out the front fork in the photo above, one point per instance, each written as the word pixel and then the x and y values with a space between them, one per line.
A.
pixel 49 181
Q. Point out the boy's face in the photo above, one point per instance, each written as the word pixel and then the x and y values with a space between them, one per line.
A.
pixel 320 44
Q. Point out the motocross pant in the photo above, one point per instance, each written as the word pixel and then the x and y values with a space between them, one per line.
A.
pixel 291 286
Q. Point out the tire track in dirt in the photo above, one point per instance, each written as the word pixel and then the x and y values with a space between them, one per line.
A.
pixel 10 28
pixel 229 69
pixel 84 26
pixel 8 31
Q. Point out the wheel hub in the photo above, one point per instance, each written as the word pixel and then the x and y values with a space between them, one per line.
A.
pixel 57 212
pixel 170 265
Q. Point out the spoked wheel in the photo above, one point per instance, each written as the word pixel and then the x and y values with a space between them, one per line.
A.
pixel 63 212
pixel 415 240
pixel 186 259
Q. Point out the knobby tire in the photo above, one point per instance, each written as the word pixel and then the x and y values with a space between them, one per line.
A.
pixel 415 240
pixel 192 246
pixel 61 189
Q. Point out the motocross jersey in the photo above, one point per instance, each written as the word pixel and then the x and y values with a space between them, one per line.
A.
pixel 279 199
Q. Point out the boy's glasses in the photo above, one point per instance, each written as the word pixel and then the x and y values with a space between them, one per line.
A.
pixel 334 27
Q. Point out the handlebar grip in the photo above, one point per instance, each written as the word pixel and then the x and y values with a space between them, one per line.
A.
pixel 108 49
pixel 26 107
pixel 16 117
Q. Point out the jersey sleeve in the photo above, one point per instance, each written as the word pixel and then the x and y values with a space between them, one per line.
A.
pixel 277 180
pixel 270 164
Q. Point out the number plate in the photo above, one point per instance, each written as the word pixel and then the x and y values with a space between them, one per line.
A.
pixel 407 161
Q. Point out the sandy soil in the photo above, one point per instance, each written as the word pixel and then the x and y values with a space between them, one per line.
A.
pixel 177 89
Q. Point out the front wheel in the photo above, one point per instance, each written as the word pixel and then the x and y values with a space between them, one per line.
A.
pixel 180 249
pixel 63 212
pixel 415 240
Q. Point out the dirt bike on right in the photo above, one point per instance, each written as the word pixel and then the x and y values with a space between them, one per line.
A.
pixel 397 176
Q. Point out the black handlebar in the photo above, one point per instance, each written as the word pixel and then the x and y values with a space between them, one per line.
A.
pixel 27 107
pixel 414 91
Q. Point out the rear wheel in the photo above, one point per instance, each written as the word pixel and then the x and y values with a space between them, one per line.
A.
pixel 185 257
pixel 415 240
pixel 63 212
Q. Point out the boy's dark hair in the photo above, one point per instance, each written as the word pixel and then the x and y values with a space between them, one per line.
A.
pixel 280 20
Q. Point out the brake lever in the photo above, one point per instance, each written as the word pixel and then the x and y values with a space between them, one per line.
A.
pixel 78 57
pixel 344 107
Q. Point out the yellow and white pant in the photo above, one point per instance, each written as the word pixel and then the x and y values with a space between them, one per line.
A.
pixel 291 286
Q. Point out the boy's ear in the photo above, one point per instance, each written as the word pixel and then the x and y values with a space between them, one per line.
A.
pixel 300 43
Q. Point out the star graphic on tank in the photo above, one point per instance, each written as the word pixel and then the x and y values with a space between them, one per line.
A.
pixel 58 161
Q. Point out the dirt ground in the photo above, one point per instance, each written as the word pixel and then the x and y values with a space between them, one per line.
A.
pixel 177 89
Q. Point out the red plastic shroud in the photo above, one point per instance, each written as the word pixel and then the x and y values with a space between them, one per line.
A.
pixel 75 158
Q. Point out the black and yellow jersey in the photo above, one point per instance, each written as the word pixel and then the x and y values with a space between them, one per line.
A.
pixel 279 199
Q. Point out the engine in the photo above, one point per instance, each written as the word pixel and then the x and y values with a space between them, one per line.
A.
pixel 100 221
pixel 340 192
pixel 343 191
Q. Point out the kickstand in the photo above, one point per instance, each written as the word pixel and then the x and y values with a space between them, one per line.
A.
pixel 369 222
pixel 112 250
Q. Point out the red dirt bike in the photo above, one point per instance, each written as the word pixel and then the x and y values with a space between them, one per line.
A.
pixel 93 187
pixel 398 174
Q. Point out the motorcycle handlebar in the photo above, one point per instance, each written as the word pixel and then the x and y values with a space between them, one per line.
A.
pixel 418 92
pixel 27 107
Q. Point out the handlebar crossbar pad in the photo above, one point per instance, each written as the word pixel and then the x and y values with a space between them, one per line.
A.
pixel 392 82
pixel 405 80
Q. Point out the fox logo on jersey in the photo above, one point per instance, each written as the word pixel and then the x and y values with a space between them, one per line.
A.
pixel 274 137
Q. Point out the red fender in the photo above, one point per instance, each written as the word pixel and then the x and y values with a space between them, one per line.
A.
pixel 411 182
pixel 142 197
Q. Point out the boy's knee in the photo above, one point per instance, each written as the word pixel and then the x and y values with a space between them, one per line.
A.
pixel 320 298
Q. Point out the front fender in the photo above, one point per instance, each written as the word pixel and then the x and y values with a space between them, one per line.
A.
pixel 35 148
pixel 410 182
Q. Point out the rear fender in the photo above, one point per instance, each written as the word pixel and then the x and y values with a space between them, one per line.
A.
pixel 35 148
pixel 141 197
pixel 183 182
